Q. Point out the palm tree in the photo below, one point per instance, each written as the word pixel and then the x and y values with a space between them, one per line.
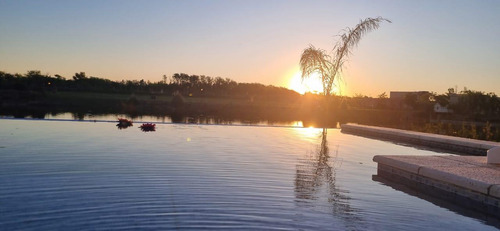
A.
pixel 315 60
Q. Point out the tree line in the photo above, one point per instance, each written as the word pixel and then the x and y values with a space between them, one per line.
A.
pixel 187 85
pixel 475 104
pixel 467 104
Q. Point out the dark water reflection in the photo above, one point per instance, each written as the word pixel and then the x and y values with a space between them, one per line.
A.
pixel 315 181
pixel 174 118
pixel 74 175
pixel 438 198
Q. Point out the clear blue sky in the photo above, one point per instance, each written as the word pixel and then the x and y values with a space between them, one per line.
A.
pixel 431 45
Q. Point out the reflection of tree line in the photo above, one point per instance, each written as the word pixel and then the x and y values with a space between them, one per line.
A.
pixel 317 173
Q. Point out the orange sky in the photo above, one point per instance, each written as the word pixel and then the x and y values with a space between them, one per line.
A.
pixel 429 46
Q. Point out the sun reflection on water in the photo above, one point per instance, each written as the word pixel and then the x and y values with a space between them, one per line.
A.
pixel 308 133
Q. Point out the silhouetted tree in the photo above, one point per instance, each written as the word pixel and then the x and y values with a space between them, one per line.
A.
pixel 383 95
pixel 79 76
pixel 328 67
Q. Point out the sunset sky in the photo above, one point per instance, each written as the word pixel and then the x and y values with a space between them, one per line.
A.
pixel 431 45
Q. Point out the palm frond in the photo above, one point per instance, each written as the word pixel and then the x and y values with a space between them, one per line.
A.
pixel 317 60
pixel 314 60
pixel 351 38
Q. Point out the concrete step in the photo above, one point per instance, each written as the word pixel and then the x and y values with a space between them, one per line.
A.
pixel 465 177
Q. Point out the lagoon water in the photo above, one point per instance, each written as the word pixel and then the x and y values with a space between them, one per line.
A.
pixel 211 120
pixel 71 175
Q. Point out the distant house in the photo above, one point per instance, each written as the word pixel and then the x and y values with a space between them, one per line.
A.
pixel 438 108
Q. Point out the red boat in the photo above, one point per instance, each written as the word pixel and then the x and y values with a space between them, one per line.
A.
pixel 148 127
pixel 123 123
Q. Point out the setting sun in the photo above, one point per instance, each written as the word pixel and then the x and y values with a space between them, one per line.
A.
pixel 312 84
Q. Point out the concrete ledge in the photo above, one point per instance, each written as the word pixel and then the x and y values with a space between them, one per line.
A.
pixel 449 175
pixel 495 191
pixel 456 144
pixel 464 176
pixel 395 162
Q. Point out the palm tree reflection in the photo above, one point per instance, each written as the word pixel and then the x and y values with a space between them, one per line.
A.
pixel 315 181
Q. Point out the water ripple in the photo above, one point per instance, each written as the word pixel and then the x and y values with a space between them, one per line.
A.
pixel 86 176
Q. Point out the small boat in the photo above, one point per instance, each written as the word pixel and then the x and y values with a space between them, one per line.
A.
pixel 124 123
pixel 148 127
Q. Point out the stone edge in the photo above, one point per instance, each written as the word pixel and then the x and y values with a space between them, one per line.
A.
pixel 449 140
pixel 445 177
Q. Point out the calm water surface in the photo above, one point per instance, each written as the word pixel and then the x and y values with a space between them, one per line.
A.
pixel 57 175
pixel 158 119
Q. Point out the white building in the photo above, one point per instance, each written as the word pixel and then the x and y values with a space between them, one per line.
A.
pixel 438 108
